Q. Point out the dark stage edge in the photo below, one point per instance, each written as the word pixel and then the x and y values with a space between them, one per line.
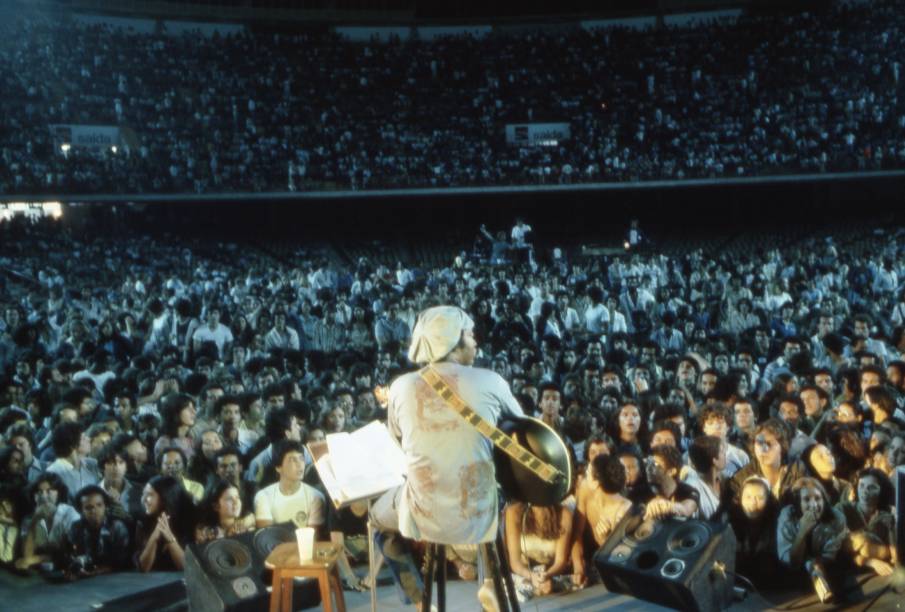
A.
pixel 127 592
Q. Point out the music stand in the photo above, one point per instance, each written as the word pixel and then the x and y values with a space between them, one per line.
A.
pixel 318 450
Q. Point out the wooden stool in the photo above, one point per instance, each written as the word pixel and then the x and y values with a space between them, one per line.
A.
pixel 284 560
pixel 496 566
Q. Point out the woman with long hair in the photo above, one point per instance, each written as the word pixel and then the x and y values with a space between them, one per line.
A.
pixel 178 412
pixel 538 540
pixel 202 466
pixel 820 463
pixel 166 527
pixel 628 426
pixel 810 534
pixel 222 514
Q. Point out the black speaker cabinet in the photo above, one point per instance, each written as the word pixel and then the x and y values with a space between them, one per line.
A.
pixel 228 575
pixel 682 564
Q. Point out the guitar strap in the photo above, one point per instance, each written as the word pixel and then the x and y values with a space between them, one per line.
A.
pixel 507 444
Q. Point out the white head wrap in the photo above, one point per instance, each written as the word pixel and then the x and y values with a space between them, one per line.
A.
pixel 437 332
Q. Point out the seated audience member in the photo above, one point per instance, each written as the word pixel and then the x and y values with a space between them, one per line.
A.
pixel 348 529
pixel 222 514
pixel 708 461
pixel 882 404
pixel 636 487
pixel 45 530
pixel 12 467
pixel 770 461
pixel 290 499
pixel 12 511
pixel 172 463
pixel 178 413
pixel 166 526
pixel 664 432
pixel 849 450
pixel 715 421
pixel 538 541
pixel 743 426
pixel 97 543
pixel 672 497
pixel 21 436
pixel 73 465
pixel 599 511
pixel 229 467
pixel 280 424
pixel 810 534
pixel 820 464
pixel 627 427
pixel 202 466
pixel 871 524
pixel 754 520
pixel 138 470
pixel 235 432
pixel 791 410
pixel 125 497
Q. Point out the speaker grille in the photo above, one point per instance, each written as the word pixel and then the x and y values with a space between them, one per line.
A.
pixel 645 530
pixel 227 558
pixel 688 539
pixel 244 587
pixel 269 538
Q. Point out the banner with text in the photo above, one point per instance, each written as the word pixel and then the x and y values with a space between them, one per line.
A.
pixel 90 136
pixel 537 134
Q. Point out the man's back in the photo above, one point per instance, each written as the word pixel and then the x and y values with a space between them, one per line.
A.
pixel 450 494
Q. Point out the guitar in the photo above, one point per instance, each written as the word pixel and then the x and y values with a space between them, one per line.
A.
pixel 518 481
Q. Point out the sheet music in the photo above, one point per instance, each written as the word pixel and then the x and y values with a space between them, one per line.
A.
pixel 361 464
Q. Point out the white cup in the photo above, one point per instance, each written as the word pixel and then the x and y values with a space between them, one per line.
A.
pixel 305 538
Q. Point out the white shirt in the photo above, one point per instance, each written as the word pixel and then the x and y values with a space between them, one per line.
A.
pixel 450 494
pixel 594 317
pixel 306 507
pixel 221 336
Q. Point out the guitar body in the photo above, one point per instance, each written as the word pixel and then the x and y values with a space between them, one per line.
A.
pixel 518 482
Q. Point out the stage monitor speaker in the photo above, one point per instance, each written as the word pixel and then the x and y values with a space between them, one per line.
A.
pixel 682 564
pixel 228 575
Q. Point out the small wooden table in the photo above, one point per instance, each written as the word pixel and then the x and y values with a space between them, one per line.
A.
pixel 284 560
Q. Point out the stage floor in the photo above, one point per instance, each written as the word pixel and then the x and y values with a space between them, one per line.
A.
pixel 163 592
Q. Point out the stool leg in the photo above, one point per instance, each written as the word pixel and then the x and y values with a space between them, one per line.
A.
pixel 338 590
pixel 323 581
pixel 440 571
pixel 496 575
pixel 428 577
pixel 275 592
pixel 506 569
pixel 286 594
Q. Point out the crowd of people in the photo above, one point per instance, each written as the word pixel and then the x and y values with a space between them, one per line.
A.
pixel 276 111
pixel 163 396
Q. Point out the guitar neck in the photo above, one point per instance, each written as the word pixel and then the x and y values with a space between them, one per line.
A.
pixel 508 445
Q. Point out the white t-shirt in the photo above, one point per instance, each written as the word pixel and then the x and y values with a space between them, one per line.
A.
pixel 220 336
pixel 306 507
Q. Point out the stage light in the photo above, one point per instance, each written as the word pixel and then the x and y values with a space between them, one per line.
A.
pixel 626 245
pixel 65 147
pixel 113 149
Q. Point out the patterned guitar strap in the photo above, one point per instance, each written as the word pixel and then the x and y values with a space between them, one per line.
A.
pixel 507 444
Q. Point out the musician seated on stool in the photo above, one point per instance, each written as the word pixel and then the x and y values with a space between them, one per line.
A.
pixel 538 539
pixel 672 497
pixel 599 510
pixel 450 495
